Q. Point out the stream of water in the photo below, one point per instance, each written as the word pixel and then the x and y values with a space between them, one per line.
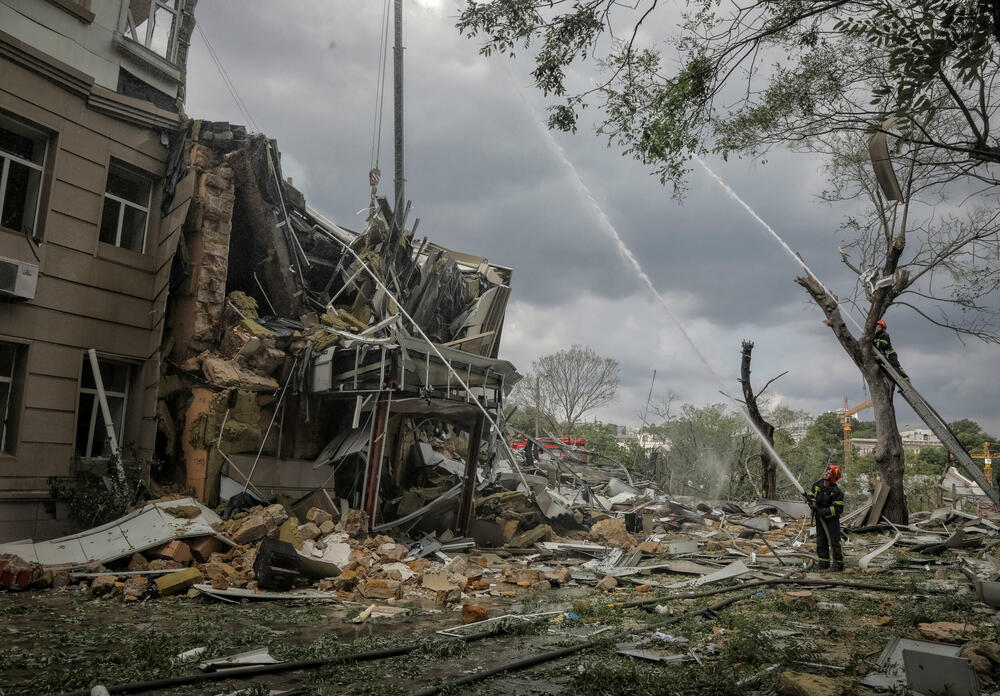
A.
pixel 633 263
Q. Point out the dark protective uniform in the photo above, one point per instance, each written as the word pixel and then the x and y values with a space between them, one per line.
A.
pixel 883 344
pixel 829 502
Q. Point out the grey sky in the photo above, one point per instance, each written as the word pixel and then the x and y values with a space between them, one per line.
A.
pixel 483 180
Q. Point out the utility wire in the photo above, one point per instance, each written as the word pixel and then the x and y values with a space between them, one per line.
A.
pixel 230 85
pixel 383 61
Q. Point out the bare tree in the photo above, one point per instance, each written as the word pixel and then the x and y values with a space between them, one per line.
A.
pixel 769 481
pixel 575 382
pixel 931 253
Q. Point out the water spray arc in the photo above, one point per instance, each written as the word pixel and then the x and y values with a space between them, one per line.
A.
pixel 632 262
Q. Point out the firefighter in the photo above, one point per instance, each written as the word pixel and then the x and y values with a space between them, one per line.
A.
pixel 826 500
pixel 883 344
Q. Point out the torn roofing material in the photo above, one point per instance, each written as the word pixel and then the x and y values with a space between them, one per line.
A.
pixel 149 526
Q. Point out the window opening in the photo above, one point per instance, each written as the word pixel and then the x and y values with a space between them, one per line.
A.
pixel 91 437
pixel 154 24
pixel 22 162
pixel 126 209
pixel 9 359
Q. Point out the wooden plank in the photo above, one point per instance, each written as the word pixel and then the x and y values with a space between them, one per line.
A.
pixel 43 426
pixel 61 262
pixel 85 301
pixel 72 233
pixel 51 393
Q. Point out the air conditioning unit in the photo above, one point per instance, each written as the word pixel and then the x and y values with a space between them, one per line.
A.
pixel 17 279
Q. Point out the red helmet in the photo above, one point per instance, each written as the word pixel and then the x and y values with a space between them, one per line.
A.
pixel 834 473
pixel 880 324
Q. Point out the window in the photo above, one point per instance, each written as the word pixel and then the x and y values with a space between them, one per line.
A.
pixel 22 161
pixel 126 208
pixel 11 368
pixel 91 433
pixel 155 24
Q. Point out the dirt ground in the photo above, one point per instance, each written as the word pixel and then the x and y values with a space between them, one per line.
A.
pixel 62 640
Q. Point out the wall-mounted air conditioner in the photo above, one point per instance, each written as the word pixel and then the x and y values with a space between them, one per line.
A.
pixel 17 279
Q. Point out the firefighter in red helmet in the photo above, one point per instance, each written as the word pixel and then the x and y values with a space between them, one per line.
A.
pixel 883 344
pixel 826 500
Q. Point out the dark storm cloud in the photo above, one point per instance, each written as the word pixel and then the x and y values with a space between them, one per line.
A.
pixel 484 180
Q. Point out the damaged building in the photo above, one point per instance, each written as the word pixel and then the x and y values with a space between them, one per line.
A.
pixel 90 117
pixel 169 297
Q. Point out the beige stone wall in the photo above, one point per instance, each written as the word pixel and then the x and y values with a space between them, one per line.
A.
pixel 90 294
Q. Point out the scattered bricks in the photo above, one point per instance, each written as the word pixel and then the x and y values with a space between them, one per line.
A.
pixel 611 532
pixel 802 684
pixel 185 512
pixel 202 548
pixel 347 580
pixel 381 589
pixel 220 582
pixel 393 552
pixel 445 597
pixel 802 599
pixel 252 528
pixel 309 531
pixel 276 516
pixel 17 573
pixel 135 589
pixel 982 655
pixel 60 579
pixel 644 588
pixel 649 547
pixel 559 576
pixel 160 564
pixel 947 631
pixel 419 565
pixel 510 529
pixel 542 532
pixel 289 532
pixel 102 585
pixel 477 585
pixel 479 561
pixel 176 551
pixel 607 583
pixel 138 562
pixel 473 613
pixel 354 523
pixel 459 566
pixel 174 583
pixel 521 576
pixel 318 517
pixel 542 585
pixel 437 581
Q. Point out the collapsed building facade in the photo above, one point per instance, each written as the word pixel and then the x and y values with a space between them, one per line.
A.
pixel 169 297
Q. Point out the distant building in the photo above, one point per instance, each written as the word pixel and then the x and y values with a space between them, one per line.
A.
pixel 914 440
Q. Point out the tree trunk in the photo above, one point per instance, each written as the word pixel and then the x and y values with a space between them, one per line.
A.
pixel 768 478
pixel 889 444
pixel 889 454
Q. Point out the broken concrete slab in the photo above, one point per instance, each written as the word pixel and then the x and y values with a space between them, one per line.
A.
pixel 142 529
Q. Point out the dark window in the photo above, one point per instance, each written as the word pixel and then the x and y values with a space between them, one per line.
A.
pixel 91 433
pixel 11 377
pixel 126 209
pixel 22 163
